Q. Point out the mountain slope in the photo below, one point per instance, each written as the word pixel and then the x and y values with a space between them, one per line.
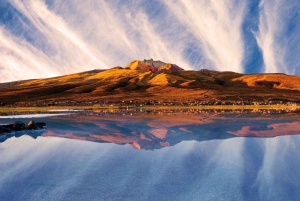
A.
pixel 139 81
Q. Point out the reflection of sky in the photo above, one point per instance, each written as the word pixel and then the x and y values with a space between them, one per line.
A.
pixel 50 168
pixel 40 38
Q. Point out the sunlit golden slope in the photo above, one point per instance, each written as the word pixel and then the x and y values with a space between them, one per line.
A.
pixel 139 81
pixel 278 81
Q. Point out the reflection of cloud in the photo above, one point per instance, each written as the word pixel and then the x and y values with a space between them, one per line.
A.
pixel 57 169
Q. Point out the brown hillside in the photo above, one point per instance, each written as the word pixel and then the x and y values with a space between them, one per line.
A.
pixel 141 82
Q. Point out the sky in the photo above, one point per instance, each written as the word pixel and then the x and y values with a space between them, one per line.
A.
pixel 45 38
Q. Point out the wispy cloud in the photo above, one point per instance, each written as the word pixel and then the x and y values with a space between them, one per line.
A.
pixel 46 38
pixel 100 36
pixel 278 35
pixel 266 36
pixel 20 60
pixel 217 28
pixel 66 41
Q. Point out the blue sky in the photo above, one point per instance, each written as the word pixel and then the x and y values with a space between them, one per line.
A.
pixel 44 38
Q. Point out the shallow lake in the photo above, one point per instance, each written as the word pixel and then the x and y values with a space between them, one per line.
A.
pixel 153 155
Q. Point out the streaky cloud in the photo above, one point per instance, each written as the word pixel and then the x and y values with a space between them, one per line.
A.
pixel 278 36
pixel 216 27
pixel 20 60
pixel 69 46
pixel 43 38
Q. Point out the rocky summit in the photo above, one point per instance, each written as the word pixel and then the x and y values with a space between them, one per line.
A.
pixel 153 82
pixel 152 66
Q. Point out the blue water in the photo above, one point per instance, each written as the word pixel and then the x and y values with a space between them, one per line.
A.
pixel 200 162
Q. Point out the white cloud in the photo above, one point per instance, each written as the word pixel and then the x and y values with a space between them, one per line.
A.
pixel 266 38
pixel 66 41
pixel 99 36
pixel 20 60
pixel 274 37
pixel 74 35
pixel 217 26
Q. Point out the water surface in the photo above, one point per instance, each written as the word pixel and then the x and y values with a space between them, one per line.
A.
pixel 154 156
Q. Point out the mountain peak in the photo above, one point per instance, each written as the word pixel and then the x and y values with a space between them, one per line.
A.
pixel 152 65
pixel 151 62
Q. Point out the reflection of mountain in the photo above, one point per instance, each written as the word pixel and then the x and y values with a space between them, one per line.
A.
pixel 157 131
pixel 269 130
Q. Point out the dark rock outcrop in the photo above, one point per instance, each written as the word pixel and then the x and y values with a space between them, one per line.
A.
pixel 35 125
pixel 4 129
pixel 20 126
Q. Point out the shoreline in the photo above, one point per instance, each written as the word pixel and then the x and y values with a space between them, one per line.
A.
pixel 202 107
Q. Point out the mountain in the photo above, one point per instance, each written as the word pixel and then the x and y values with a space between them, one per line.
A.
pixel 152 66
pixel 154 82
